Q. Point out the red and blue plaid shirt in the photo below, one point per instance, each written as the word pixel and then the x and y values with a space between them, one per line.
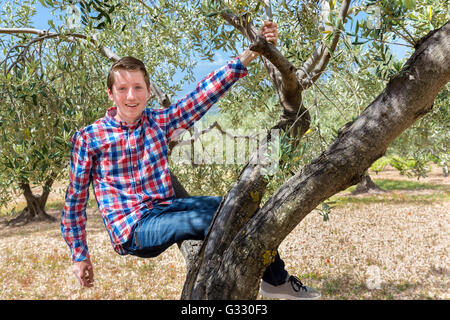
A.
pixel 128 164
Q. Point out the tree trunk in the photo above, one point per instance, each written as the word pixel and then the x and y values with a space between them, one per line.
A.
pixel 230 263
pixel 367 186
pixel 35 209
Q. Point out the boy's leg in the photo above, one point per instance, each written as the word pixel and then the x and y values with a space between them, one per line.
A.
pixel 184 219
pixel 277 283
pixel 197 202
pixel 275 273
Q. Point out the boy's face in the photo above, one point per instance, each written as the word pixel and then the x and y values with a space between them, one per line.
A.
pixel 130 94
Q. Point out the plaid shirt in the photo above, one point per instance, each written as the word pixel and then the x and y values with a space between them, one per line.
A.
pixel 128 164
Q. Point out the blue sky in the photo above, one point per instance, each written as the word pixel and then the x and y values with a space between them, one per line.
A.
pixel 203 67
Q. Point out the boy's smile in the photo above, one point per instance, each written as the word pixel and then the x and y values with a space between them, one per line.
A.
pixel 130 94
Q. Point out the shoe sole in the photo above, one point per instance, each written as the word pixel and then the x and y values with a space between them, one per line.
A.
pixel 284 296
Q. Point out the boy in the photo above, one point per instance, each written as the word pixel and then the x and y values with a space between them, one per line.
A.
pixel 125 156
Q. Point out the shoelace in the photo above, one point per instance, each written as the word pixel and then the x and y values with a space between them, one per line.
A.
pixel 296 284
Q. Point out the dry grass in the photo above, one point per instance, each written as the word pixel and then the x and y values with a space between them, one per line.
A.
pixel 384 249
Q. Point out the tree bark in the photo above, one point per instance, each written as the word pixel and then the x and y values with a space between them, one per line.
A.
pixel 367 186
pixel 35 209
pixel 235 266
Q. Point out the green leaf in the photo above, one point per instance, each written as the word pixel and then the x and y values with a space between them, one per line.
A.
pixel 211 14
pixel 66 126
pixel 409 4
pixel 38 154
pixel 101 25
pixel 430 13
pixel 35 101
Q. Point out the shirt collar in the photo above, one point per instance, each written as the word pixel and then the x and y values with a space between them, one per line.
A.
pixel 110 116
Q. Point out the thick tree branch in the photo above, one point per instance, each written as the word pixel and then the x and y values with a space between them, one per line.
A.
pixel 290 82
pixel 282 74
pixel 271 53
pixel 404 100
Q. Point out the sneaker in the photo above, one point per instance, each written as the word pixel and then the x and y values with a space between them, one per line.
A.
pixel 292 289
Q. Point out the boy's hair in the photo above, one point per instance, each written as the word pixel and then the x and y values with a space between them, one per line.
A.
pixel 130 64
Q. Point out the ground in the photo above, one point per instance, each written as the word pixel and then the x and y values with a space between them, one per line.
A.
pixel 392 245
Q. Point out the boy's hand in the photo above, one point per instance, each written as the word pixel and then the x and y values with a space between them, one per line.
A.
pixel 84 272
pixel 269 31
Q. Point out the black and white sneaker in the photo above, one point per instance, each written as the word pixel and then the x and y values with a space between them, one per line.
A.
pixel 292 289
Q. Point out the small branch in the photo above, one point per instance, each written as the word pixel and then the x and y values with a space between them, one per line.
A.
pixel 317 62
pixel 268 9
pixel 315 57
pixel 24 31
pixel 413 41
pixel 241 23
pixel 268 50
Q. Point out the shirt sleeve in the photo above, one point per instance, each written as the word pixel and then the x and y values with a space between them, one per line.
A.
pixel 73 217
pixel 185 112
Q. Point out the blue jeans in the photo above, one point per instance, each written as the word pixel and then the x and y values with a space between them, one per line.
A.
pixel 185 219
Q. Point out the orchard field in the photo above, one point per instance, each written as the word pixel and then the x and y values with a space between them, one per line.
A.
pixel 391 245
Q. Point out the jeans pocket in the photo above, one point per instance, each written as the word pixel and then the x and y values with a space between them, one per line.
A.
pixel 137 238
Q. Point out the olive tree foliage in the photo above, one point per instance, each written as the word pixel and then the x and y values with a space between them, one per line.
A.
pixel 49 89
pixel 425 140
pixel 361 66
pixel 53 81
pixel 405 23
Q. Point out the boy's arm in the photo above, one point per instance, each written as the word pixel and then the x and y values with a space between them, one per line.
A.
pixel 185 112
pixel 73 217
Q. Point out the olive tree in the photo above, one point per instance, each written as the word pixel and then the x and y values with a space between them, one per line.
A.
pixel 246 231
pixel 53 83
pixel 48 89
